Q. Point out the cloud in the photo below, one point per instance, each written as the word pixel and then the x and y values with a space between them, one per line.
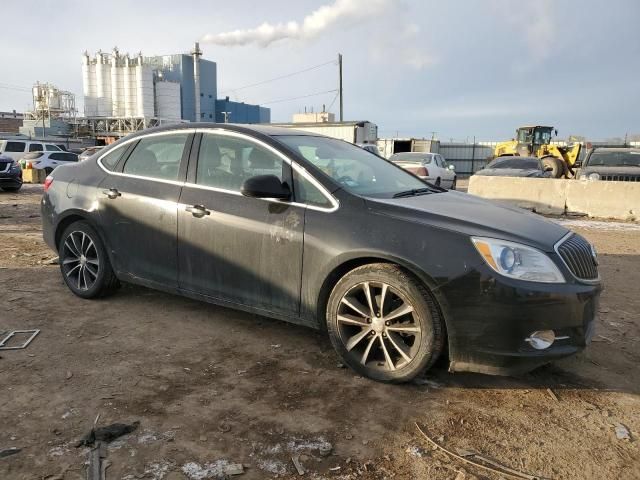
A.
pixel 536 21
pixel 317 22
pixel 403 46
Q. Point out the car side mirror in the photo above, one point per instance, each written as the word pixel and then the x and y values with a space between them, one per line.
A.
pixel 265 186
pixel 452 167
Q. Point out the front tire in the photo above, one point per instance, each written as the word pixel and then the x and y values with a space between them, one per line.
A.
pixel 84 262
pixel 557 166
pixel 454 184
pixel 384 323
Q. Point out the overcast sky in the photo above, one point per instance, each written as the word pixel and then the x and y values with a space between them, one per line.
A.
pixel 459 68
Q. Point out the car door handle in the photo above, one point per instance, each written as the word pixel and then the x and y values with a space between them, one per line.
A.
pixel 112 193
pixel 198 211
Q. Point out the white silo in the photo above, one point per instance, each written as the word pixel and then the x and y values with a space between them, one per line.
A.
pixel 103 85
pixel 117 90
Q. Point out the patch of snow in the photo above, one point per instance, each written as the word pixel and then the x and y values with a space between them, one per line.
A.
pixel 272 466
pixel 195 471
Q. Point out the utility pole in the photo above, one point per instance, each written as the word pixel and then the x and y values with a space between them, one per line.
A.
pixel 340 86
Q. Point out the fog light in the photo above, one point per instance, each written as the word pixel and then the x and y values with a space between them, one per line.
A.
pixel 541 339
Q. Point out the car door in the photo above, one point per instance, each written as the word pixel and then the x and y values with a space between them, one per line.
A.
pixel 447 174
pixel 138 203
pixel 243 250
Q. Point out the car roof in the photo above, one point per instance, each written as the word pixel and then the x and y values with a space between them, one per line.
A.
pixel 509 157
pixel 616 149
pixel 268 130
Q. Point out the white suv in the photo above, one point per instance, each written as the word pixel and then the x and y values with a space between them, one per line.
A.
pixel 16 149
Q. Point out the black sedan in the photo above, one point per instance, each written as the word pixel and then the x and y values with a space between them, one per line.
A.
pixel 10 174
pixel 515 166
pixel 318 232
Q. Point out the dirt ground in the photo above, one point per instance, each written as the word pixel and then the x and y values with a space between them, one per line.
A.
pixel 212 386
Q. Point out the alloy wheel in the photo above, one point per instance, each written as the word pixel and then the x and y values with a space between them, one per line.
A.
pixel 378 326
pixel 80 263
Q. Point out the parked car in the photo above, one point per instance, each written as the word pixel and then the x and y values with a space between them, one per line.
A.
pixel 315 231
pixel 87 152
pixel 10 174
pixel 515 167
pixel 612 164
pixel 431 167
pixel 48 161
pixel 17 149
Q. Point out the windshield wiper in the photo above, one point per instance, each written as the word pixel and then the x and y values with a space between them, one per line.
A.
pixel 413 192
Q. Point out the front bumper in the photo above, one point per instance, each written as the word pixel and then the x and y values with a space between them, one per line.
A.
pixel 490 317
pixel 11 178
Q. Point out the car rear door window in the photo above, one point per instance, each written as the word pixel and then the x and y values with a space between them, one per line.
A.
pixel 51 148
pixel 111 159
pixel 157 156
pixel 35 147
pixel 15 147
pixel 225 162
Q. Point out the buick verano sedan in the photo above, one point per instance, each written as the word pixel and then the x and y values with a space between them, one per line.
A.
pixel 319 232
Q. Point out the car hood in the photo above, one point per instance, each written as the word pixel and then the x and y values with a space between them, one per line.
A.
pixel 473 215
pixel 509 172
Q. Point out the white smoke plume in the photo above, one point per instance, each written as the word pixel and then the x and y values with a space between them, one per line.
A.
pixel 311 26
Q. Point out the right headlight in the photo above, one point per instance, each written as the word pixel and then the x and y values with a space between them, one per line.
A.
pixel 517 261
pixel 593 176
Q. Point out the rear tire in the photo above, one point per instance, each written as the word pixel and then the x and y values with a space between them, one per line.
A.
pixel 84 262
pixel 390 334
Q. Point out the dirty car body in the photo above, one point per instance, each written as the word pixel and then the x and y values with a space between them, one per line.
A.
pixel 281 257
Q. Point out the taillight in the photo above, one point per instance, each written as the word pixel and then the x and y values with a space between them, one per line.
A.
pixel 47 182
pixel 422 172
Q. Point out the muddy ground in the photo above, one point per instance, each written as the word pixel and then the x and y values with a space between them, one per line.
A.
pixel 212 386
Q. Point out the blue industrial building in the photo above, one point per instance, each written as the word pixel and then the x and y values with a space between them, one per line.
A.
pixel 240 112
pixel 179 68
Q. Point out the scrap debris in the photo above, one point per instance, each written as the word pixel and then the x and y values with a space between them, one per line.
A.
pixel 553 395
pixel 106 434
pixel 622 433
pixel 487 464
pixel 7 336
pixel 296 463
pixel 7 452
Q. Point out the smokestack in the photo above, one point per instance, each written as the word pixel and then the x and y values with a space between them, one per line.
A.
pixel 196 78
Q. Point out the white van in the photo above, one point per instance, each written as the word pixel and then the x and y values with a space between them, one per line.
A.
pixel 16 149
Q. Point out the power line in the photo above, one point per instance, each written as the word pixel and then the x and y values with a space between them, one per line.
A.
pixel 280 77
pixel 297 98
pixel 9 86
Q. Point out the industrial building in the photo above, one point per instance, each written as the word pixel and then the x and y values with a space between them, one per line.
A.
pixel 54 112
pixel 124 93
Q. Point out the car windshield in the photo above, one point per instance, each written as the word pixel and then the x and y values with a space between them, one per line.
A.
pixel 516 162
pixel 615 159
pixel 356 170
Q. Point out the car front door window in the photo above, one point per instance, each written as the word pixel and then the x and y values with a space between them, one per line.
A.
pixel 225 162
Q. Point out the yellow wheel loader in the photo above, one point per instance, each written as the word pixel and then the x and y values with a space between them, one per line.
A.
pixel 535 141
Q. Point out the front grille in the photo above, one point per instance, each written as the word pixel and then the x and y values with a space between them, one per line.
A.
pixel 621 178
pixel 578 255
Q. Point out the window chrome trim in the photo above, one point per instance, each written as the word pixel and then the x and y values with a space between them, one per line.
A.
pixel 592 281
pixel 335 204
